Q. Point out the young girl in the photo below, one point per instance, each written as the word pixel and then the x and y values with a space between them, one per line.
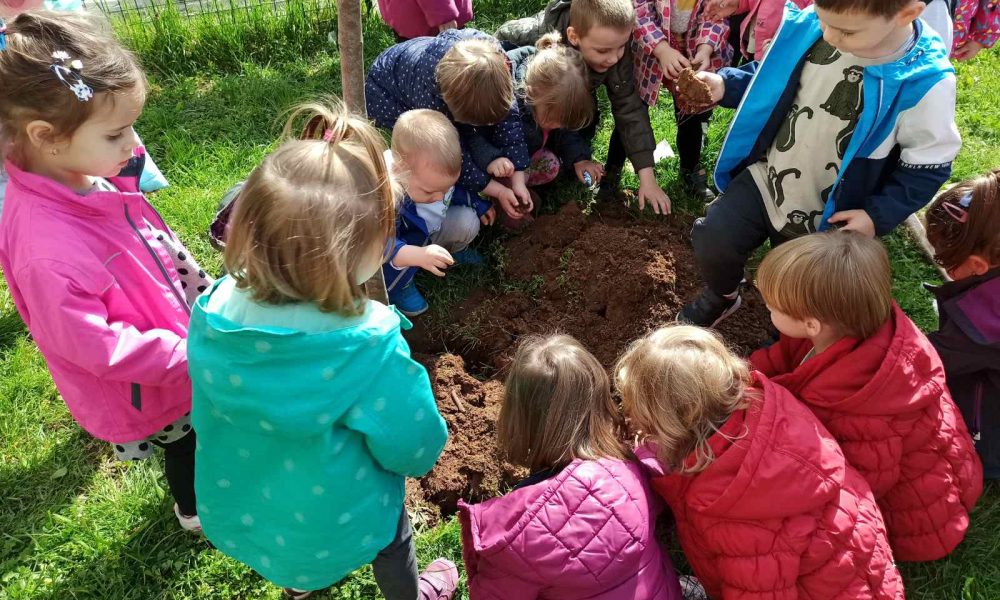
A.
pixel 310 411
pixel 759 24
pixel 674 36
pixel 765 504
pixel 100 280
pixel 963 225
pixel 582 525
pixel 976 26
pixel 415 18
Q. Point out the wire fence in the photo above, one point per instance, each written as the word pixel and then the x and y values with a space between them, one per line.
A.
pixel 150 10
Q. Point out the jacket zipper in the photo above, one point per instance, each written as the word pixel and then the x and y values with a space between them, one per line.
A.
pixel 137 396
pixel 159 265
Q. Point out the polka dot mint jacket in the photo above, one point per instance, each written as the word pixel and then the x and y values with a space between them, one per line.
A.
pixel 304 440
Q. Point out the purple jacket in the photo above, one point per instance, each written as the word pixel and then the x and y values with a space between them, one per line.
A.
pixel 416 18
pixel 102 299
pixel 586 532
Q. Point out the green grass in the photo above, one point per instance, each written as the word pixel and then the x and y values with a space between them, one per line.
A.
pixel 76 524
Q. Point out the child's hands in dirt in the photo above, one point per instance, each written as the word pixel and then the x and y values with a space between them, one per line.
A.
pixel 595 169
pixel 720 9
pixel 500 167
pixel 650 191
pixel 697 91
pixel 672 62
pixel 435 259
pixel 520 188
pixel 488 217
pixel 702 57
pixel 854 220
pixel 508 202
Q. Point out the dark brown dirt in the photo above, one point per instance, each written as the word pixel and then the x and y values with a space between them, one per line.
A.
pixel 605 280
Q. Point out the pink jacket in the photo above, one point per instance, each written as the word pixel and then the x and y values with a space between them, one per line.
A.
pixel 978 21
pixel 102 300
pixel 415 18
pixel 586 532
pixel 766 16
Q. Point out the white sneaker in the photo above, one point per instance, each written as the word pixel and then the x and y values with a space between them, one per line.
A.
pixel 192 524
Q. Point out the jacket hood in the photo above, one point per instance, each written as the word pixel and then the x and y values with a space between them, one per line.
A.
pixel 345 362
pixel 973 304
pixel 896 370
pixel 773 460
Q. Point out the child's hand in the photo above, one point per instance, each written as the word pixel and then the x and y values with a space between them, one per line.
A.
pixel 435 259
pixel 720 9
pixel 488 217
pixel 501 167
pixel 702 57
pixel 508 202
pixel 855 220
pixel 715 84
pixel 650 191
pixel 595 169
pixel 671 61
pixel 520 189
pixel 968 51
pixel 453 24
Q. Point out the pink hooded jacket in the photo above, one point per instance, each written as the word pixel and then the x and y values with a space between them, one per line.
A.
pixel 416 18
pixel 102 300
pixel 766 17
pixel 586 532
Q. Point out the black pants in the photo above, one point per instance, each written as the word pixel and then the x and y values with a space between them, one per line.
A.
pixel 178 465
pixel 395 566
pixel 690 140
pixel 733 227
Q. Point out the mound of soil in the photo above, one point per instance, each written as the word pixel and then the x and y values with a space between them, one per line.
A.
pixel 605 280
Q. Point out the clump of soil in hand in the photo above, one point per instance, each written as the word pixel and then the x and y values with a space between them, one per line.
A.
pixel 695 92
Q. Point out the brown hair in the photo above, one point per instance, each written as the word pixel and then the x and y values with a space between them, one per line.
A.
pixel 557 406
pixel 841 278
pixel 313 212
pixel 424 133
pixel 30 91
pixel 475 82
pixel 955 241
pixel 875 8
pixel 679 384
pixel 557 84
pixel 615 14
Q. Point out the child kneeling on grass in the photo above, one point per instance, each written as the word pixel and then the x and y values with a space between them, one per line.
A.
pixel 582 525
pixel 875 381
pixel 765 503
pixel 963 225
pixel 437 219
pixel 848 120
pixel 313 411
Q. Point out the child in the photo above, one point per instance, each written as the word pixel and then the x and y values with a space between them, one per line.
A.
pixel 464 75
pixel 415 18
pixel 765 504
pixel 963 225
pixel 977 26
pixel 437 220
pixel 583 524
pixel 874 380
pixel 310 487
pixel 760 22
pixel 849 121
pixel 674 36
pixel 601 30
pixel 100 280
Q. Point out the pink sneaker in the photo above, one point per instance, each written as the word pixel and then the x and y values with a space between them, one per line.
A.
pixel 439 580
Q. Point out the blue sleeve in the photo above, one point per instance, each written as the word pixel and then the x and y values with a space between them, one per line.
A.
pixel 571 147
pixel 463 197
pixel 508 135
pixel 393 247
pixel 736 81
pixel 384 99
pixel 472 177
pixel 151 178
pixel 480 148
pixel 907 190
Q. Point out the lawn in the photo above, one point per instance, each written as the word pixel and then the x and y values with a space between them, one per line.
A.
pixel 76 524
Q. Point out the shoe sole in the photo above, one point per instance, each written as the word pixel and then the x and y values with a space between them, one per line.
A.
pixel 739 302
pixel 414 313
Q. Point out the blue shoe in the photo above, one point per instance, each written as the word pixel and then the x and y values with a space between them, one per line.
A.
pixel 469 256
pixel 409 300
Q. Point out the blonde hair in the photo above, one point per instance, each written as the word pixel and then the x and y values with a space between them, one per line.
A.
pixel 587 14
pixel 424 133
pixel 678 385
pixel 955 241
pixel 840 278
pixel 475 82
pixel 312 214
pixel 557 406
pixel 557 84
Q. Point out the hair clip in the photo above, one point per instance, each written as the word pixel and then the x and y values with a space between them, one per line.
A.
pixel 959 211
pixel 3 35
pixel 70 75
pixel 327 135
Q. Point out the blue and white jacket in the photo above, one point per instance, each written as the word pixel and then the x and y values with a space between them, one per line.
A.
pixel 906 138
pixel 404 78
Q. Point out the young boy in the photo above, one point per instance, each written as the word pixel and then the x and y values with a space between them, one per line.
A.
pixel 437 220
pixel 464 75
pixel 602 31
pixel 847 121
pixel 874 380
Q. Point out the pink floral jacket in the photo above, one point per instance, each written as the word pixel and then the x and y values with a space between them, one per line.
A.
pixel 977 20
pixel 653 26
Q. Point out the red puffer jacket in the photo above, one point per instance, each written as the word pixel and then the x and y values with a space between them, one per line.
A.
pixel 884 398
pixel 779 515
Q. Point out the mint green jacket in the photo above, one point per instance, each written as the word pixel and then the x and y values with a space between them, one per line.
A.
pixel 304 440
